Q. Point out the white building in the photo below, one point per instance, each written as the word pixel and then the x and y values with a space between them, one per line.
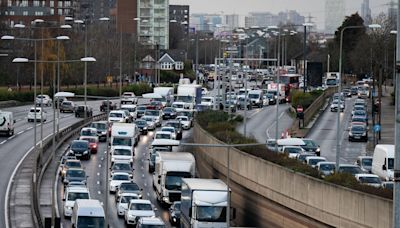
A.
pixel 334 15
pixel 232 21
pixel 154 22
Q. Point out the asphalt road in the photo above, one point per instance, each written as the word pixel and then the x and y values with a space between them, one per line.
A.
pixel 96 170
pixel 12 149
pixel 324 133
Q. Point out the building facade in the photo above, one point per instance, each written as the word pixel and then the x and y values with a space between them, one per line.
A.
pixel 153 27
pixel 180 15
pixel 334 15
pixel 264 19
pixel 232 21
pixel 205 22
pixel 366 12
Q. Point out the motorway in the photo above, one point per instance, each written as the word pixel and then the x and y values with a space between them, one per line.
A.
pixel 13 149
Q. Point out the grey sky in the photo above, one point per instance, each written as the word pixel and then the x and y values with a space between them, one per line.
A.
pixel 305 7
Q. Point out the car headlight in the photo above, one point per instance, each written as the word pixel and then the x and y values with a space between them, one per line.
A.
pixel 85 152
pixel 350 134
pixel 318 150
pixel 112 159
pixel 364 134
pixel 68 208
pixel 132 217
pixel 145 128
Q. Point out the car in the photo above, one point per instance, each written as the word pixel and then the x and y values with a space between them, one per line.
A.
pixel 363 93
pixel 122 153
pixel 131 109
pixel 67 106
pixel 358 132
pixel 243 102
pixel 93 143
pixel 335 104
pixel 80 111
pixel 155 105
pixel 271 144
pixel 71 194
pixel 36 114
pixel 80 149
pixel 359 119
pixel 346 93
pixel 138 209
pixel 43 99
pixel 116 179
pixel 351 169
pixel 313 160
pixel 359 113
pixel 302 157
pixel 63 160
pixel 129 98
pixel 129 187
pixel 230 105
pixel 168 113
pixel 128 116
pixel 88 131
pixel 121 167
pixel 163 135
pixel 171 130
pixel 178 127
pixel 118 116
pixel 354 90
pixel 175 213
pixel 360 102
pixel 75 175
pixel 292 151
pixel 365 163
pixel 123 202
pixel 357 108
pixel 311 146
pixel 110 105
pixel 270 98
pixel 154 222
pixel 204 91
pixel 152 162
pixel 326 168
pixel 388 185
pixel 369 179
pixel 186 123
pixel 155 114
pixel 140 111
pixel 151 124
pixel 189 113
pixel 101 128
pixel 142 125
pixel 336 96
pixel 70 163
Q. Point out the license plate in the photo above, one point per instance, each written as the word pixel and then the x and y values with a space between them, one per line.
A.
pixel 357 137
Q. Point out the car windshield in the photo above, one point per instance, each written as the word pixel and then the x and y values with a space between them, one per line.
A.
pixel 183 118
pixel 141 108
pixel 66 104
pixel 173 181
pixel 206 99
pixel 99 126
pixel 314 161
pixel 121 166
pixel 358 120
pixel 129 187
pixel 88 133
pixel 127 199
pixel 79 145
pixel 169 110
pixel 167 129
pixel 116 114
pixel 75 173
pixel 366 162
pixel 390 163
pixel 370 180
pixel 120 177
pixel 350 169
pixel 177 105
pixel 359 108
pixel 141 207
pixel 211 214
pixel 141 122
pixel 72 196
pixel 123 152
pixel 309 143
pixel 33 110
pixel 359 113
pixel 326 167
pixel 122 142
pixel 89 222
pixel 163 136
pixel 254 96
pixel 73 164
pixel 293 150
pixel 357 128
pixel 152 113
pixel 128 109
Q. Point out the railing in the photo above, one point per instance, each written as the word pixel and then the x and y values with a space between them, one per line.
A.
pixel 43 158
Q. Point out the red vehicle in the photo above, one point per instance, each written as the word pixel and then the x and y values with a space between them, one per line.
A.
pixel 155 105
pixel 93 143
pixel 291 81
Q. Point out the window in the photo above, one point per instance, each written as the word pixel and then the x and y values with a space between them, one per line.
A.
pixel 68 4
pixel 12 13
pixel 25 13
pixel 60 4
pixel 60 11
pixel 24 3
pixel 43 3
pixel 51 11
pixel 52 5
pixel 9 3
pixel 36 3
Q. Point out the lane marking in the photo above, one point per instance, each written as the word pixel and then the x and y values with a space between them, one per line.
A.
pixel 273 125
pixel 29 128
pixel 4 141
pixel 11 137
pixel 99 192
pixel 20 132
pixel 98 182
pixel 98 174
pixel 99 165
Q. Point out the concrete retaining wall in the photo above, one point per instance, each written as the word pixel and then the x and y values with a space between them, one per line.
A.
pixel 267 195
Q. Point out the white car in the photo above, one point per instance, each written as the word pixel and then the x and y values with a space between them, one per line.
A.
pixel 326 168
pixel 204 91
pixel 123 202
pixel 129 98
pixel 369 179
pixel 117 116
pixel 151 124
pixel 163 135
pixel 292 151
pixel 43 99
pixel 40 114
pixel 116 179
pixel 122 153
pixel 131 109
pixel 313 160
pixel 70 195
pixel 138 209
pixel 185 121
pixel 171 130
pixel 335 104
pixel 88 131
pixel 155 114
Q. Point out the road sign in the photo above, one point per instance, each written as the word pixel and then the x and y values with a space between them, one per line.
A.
pixel 299 109
pixel 377 128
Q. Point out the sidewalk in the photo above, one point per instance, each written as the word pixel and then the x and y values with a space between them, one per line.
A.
pixel 388 117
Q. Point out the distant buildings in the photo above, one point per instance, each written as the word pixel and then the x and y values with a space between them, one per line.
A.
pixel 180 16
pixel 231 21
pixel 392 14
pixel 205 22
pixel 334 14
pixel 366 12
pixel 264 19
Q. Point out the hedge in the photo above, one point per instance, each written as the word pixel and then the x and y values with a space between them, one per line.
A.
pixel 223 128
pixel 298 97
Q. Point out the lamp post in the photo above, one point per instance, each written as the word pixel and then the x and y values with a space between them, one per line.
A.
pixel 305 79
pixel 338 141
pixel 396 190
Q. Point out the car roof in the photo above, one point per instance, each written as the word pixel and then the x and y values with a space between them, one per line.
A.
pixel 77 189
pixel 315 157
pixel 121 173
pixel 140 201
pixel 366 175
pixel 348 165
pixel 326 162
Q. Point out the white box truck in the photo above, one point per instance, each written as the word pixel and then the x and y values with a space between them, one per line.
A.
pixel 124 134
pixel 383 161
pixel 204 203
pixel 170 168
pixel 189 94
pixel 88 213
pixel 7 123
pixel 167 94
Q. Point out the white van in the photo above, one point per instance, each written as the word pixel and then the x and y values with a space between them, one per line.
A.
pixel 131 109
pixel 383 161
pixel 256 98
pixel 71 195
pixel 289 142
pixel 7 123
pixel 88 213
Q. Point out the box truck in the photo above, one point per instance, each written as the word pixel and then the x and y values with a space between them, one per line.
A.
pixel 124 134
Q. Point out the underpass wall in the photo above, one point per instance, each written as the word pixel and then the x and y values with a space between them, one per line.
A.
pixel 267 195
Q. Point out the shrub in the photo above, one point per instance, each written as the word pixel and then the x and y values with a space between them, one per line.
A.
pixel 304 99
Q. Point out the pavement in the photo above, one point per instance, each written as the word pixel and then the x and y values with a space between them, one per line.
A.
pixel 388 117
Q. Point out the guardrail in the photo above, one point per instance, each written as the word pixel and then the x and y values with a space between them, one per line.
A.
pixel 43 158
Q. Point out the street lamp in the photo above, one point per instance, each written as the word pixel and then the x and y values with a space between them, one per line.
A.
pixel 305 77
pixel 338 142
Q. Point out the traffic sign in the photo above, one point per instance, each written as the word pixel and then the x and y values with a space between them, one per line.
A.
pixel 299 109
pixel 377 128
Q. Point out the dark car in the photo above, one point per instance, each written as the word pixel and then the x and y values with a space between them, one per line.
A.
pixel 75 175
pixel 178 128
pixel 67 106
pixel 80 111
pixel 124 167
pixel 271 99
pixel 169 113
pixel 140 110
pixel 152 162
pixel 80 149
pixel 354 90
pixel 346 93
pixel 358 133
pixel 102 128
pixel 351 169
pixel 311 146
pixel 175 213
pixel 142 125
pixel 103 106
pixel 129 187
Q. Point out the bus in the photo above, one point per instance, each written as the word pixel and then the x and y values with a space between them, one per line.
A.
pixel 332 79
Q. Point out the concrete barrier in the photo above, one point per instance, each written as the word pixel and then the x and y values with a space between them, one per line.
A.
pixel 268 195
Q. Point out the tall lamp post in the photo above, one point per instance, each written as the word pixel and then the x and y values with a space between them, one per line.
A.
pixel 338 141
pixel 396 191
pixel 305 79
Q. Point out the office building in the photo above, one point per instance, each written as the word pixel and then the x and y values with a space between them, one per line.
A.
pixel 205 22
pixel 232 21
pixel 265 19
pixel 334 14
pixel 366 12
pixel 179 16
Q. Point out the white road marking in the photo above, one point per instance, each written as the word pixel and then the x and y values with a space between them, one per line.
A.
pixel 148 194
pixel 145 184
pixel 273 125
pixel 11 137
pixel 99 165
pixel 98 182
pixel 20 132
pixel 142 175
pixel 29 128
pixel 4 141
pixel 98 174
pixel 99 192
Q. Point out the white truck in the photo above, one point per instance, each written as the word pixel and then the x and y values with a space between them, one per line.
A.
pixel 129 98
pixel 167 94
pixel 332 79
pixel 7 123
pixel 170 168
pixel 189 94
pixel 204 203
pixel 88 213
pixel 124 134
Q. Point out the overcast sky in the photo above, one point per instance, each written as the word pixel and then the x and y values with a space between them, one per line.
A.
pixel 305 7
